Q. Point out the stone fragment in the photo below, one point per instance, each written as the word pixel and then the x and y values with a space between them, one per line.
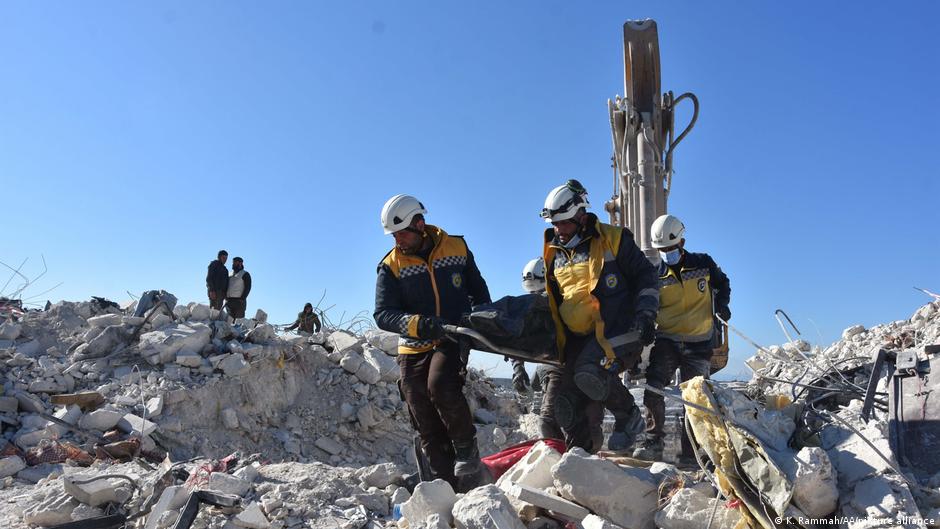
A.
pixel 351 361
pixel 154 406
pixel 848 333
pixel 10 331
pixel 690 509
pixel 261 316
pixel 815 489
pixel 367 373
pixel 97 492
pixel 329 445
pixel 189 359
pixel 532 496
pixel 234 365
pixel 533 470
pixel 625 496
pixel 131 423
pixel 261 334
pixel 228 484
pixel 101 420
pixel 381 475
pixel 11 465
pixel 69 415
pixel 198 312
pixel 384 340
pixel 36 473
pixel 30 403
pixel 105 320
pixel 45 386
pixel 9 405
pixel 386 365
pixel 430 497
pixel 484 416
pixel 593 521
pixel 252 518
pixel 485 508
pixel 172 498
pixel 162 346
pixel 230 418
pixel 341 341
pixel 107 341
pixel 55 509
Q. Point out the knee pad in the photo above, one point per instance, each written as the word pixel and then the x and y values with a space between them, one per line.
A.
pixel 593 381
pixel 566 411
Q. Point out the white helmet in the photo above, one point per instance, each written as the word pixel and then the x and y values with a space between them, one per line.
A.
pixel 667 231
pixel 533 276
pixel 563 202
pixel 398 212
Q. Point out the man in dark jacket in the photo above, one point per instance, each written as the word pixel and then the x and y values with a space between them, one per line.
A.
pixel 692 288
pixel 217 281
pixel 603 295
pixel 239 286
pixel 307 321
pixel 430 279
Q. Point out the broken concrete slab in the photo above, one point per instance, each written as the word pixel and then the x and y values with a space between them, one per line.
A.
pixel 351 361
pixel 341 341
pixel 533 470
pixel 430 497
pixel 329 445
pixel 815 489
pixel 626 496
pixel 131 423
pixel 384 340
pixel 96 492
pixel 105 343
pixel 485 507
pixel 252 518
pixel 688 508
pixel 533 496
pixel 55 509
pixel 228 484
pixel 10 331
pixel 30 403
pixel 11 465
pixel 100 420
pixel 386 366
pixel 105 320
pixel 188 359
pixel 162 346
pixel 85 399
pixel 234 365
pixel 367 373
pixel 381 475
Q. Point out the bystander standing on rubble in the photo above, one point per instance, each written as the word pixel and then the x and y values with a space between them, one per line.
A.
pixel 307 321
pixel 692 289
pixel 603 295
pixel 427 280
pixel 239 285
pixel 217 281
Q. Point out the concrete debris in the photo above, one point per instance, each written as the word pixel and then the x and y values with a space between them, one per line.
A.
pixel 91 490
pixel 434 497
pixel 485 507
pixel 689 508
pixel 592 521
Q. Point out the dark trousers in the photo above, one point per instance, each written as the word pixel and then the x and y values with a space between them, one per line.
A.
pixel 432 386
pixel 217 302
pixel 551 377
pixel 692 359
pixel 585 353
pixel 236 307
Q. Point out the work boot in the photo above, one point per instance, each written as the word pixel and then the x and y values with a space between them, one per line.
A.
pixel 625 431
pixel 650 449
pixel 467 460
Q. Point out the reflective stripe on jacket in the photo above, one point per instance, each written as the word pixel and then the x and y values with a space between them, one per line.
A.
pixel 599 285
pixel 447 284
pixel 689 298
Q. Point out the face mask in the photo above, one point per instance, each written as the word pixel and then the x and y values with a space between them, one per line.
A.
pixel 671 257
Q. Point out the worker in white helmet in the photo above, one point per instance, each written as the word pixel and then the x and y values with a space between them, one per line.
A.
pixel 533 282
pixel 427 280
pixel 692 289
pixel 603 293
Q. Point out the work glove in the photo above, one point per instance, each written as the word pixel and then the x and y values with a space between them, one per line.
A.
pixel 520 379
pixel 724 313
pixel 645 322
pixel 430 327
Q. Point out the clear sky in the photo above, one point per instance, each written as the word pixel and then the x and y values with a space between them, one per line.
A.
pixel 139 138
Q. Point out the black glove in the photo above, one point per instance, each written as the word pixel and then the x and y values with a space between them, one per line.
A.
pixel 645 322
pixel 430 327
pixel 724 313
pixel 520 379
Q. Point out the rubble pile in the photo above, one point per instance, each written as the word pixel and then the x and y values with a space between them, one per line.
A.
pixel 175 419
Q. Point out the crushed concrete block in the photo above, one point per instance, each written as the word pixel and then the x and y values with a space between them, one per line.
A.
pixel 189 359
pixel 384 340
pixel 367 373
pixel 380 476
pixel 10 331
pixel 107 341
pixel 485 416
pixel 97 492
pixel 485 508
pixel 101 420
pixel 341 341
pixel 30 403
pixel 401 495
pixel 162 346
pixel 261 334
pixel 434 521
pixel 329 445
pixel 30 348
pixel 690 509
pixel 261 316
pixel 593 521
pixel 45 386
pixel 625 496
pixel 430 497
pixel 181 312
pixel 351 361
pixel 131 423
pixel 234 365
pixel 70 415
pixel 198 312
pixel 386 365
pixel 26 440
pixel 39 472
pixel 848 333
pixel 533 470
pixel 815 488
pixel 228 484
pixel 11 465
pixel 252 518
pixel 55 509
pixel 155 406
pixel 230 418
pixel 105 320
pixel 9 404
pixel 532 496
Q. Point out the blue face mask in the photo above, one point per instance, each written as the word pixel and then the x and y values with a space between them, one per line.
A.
pixel 671 257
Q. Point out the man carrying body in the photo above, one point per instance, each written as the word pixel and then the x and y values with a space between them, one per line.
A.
pixel 239 285
pixel 603 295
pixel 692 289
pixel 307 321
pixel 430 279
pixel 217 280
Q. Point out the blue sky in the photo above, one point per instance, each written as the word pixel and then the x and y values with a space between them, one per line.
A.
pixel 137 139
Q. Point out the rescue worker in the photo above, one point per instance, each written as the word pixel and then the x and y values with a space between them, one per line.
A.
pixel 427 280
pixel 239 285
pixel 533 282
pixel 604 297
pixel 307 321
pixel 692 288
pixel 217 280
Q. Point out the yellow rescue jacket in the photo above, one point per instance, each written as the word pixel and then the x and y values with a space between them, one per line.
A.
pixel 688 299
